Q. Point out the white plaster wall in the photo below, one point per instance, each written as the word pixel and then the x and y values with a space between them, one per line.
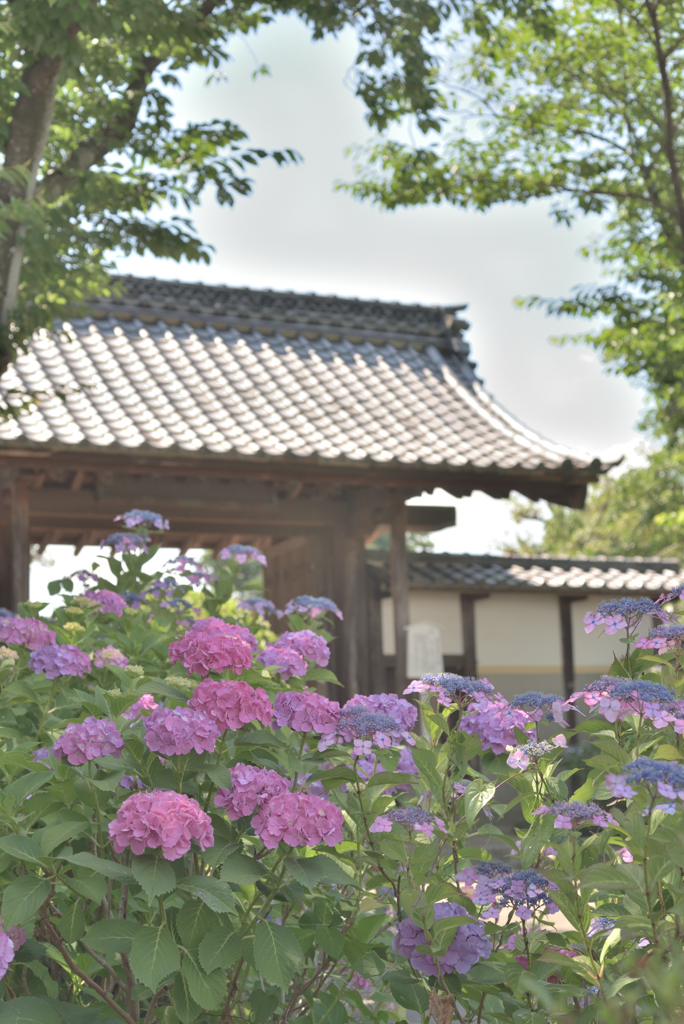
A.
pixel 593 651
pixel 518 632
pixel 441 608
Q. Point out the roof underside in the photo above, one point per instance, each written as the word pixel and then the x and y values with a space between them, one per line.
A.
pixel 262 374
pixel 536 574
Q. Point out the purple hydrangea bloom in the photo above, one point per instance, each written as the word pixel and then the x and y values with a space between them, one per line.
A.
pixel 127 542
pixel 402 711
pixel 34 633
pixel 6 952
pixel 626 613
pixel 450 688
pixel 109 655
pixel 42 754
pixel 180 730
pixel 540 705
pixel 410 819
pixel 291 652
pixel 600 924
pixel 313 606
pixel 663 638
pixel 363 728
pixel 242 553
pixel 261 605
pixel 84 741
pixel 60 660
pixel 616 699
pixel 306 712
pixel 249 788
pixel 194 571
pixel 497 887
pixel 369 765
pixel 469 944
pixel 532 753
pixel 142 516
pixel 110 602
pixel 573 814
pixel 663 777
pixel 494 721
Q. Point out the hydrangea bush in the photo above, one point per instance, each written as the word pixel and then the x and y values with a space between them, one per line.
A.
pixel 194 829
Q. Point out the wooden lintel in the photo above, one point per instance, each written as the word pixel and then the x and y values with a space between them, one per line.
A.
pixel 400 594
pixel 77 482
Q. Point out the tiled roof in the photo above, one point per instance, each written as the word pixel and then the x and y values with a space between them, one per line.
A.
pixel 134 375
pixel 540 573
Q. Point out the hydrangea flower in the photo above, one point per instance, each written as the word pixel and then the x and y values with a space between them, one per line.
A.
pixel 363 729
pixel 626 613
pixel 616 699
pixel 663 638
pixel 313 606
pixel 498 887
pixel 410 819
pixel 7 654
pixel 521 757
pixel 291 651
pixel 600 924
pixel 34 633
pixel 109 601
pixel 298 819
pixel 573 814
pixel 469 944
pixel 260 605
pixel 540 705
pixel 123 543
pixel 494 721
pixel 450 688
pixel 249 788
pixel 212 645
pixel 142 516
pixel 663 777
pixel 84 741
pixel 306 712
pixel 42 754
pixel 366 767
pixel 194 571
pixel 6 953
pixel 402 711
pixel 179 730
pixel 360 984
pixel 242 553
pixel 232 704
pixel 161 818
pixel 60 660
pixel 145 703
pixel 109 655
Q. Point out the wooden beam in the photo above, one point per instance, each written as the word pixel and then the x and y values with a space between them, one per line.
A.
pixel 399 585
pixel 20 555
pixel 469 636
pixel 77 482
pixel 355 654
pixel 568 654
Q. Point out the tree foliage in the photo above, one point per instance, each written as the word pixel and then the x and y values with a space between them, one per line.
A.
pixel 638 512
pixel 92 149
pixel 583 109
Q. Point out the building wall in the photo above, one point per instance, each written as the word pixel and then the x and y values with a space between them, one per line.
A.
pixel 517 637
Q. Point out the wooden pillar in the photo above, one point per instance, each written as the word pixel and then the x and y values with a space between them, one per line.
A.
pixel 376 662
pixel 14 546
pixel 399 585
pixel 468 626
pixel 355 630
pixel 567 650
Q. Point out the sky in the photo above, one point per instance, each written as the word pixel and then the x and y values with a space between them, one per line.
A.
pixel 297 232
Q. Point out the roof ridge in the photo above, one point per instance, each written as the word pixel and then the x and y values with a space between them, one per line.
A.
pixel 543 561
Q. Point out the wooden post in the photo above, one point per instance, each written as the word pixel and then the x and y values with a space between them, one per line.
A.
pixel 400 594
pixel 468 625
pixel 14 545
pixel 355 629
pixel 568 654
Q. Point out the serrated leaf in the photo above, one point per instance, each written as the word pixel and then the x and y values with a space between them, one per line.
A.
pixel 26 785
pixel 112 936
pixel 241 870
pixel 194 920
pixel 154 875
pixel 407 991
pixel 71 924
pixel 22 898
pixel 186 1007
pixel 312 871
pixel 219 949
pixel 21 847
pixel 29 1010
pixel 88 884
pixel 216 894
pixel 108 868
pixel 207 990
pixel 426 763
pixel 219 774
pixel 154 955
pixel 55 835
pixel 277 953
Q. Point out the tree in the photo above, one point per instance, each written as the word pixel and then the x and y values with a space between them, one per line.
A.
pixel 91 149
pixel 584 109
pixel 639 512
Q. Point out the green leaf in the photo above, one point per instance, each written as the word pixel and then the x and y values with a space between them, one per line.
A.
pixel 21 847
pixel 241 870
pixel 108 868
pixel 216 894
pixel 331 940
pixel 407 991
pixel 186 1007
pixel 55 835
pixel 477 795
pixel 154 955
pixel 219 774
pixel 321 869
pixel 426 763
pixel 23 897
pixel 208 990
pixel 88 884
pixel 277 953
pixel 194 920
pixel 219 948
pixel 27 785
pixel 154 875
pixel 112 936
pixel 30 1010
pixel 71 924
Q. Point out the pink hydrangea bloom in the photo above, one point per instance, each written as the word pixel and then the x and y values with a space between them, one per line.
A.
pixel 494 721
pixel 162 818
pixel 242 553
pixel 110 602
pixel 145 703
pixel 6 953
pixel 291 652
pixel 298 819
pixel 249 787
pixel 60 660
pixel 32 632
pixel 232 704
pixel 179 730
pixel 84 741
pixel 109 656
pixel 306 712
pixel 212 645
pixel 402 711
pixel 625 855
pixel 359 983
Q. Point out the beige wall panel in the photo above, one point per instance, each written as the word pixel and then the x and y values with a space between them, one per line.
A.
pixel 518 631
pixel 593 651
pixel 441 608
pixel 511 684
